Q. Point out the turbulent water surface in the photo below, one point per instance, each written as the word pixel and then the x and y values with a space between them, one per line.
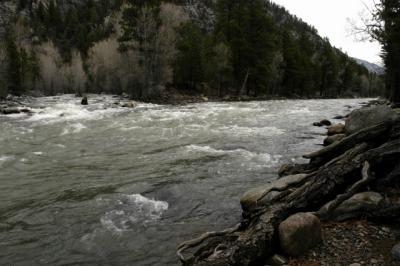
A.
pixel 111 186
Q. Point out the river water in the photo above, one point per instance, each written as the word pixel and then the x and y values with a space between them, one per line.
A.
pixel 92 185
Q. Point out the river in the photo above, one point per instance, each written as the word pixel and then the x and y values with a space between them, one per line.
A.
pixel 93 185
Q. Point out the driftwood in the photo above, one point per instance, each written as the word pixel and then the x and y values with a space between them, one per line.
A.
pixel 353 165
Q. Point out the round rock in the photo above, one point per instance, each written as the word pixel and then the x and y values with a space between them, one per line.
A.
pixel 299 233
pixel 396 252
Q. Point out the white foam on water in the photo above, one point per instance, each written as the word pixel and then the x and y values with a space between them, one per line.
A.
pixel 6 158
pixel 261 159
pixel 303 110
pixel 38 153
pixel 130 210
pixel 251 131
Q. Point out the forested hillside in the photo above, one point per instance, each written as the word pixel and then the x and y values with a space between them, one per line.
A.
pixel 142 48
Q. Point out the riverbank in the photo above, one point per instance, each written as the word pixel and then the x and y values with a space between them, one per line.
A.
pixel 355 177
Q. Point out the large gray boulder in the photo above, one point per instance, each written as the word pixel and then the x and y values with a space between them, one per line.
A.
pixel 396 252
pixel 299 233
pixel 367 117
pixel 358 204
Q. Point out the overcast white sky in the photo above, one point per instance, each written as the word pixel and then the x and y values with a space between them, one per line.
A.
pixel 329 17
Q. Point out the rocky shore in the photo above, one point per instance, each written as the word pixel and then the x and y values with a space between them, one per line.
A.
pixel 342 208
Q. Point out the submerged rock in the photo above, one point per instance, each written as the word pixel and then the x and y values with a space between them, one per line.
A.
pixel 326 122
pixel 299 233
pixel 85 101
pixel 129 105
pixel 367 117
pixel 9 111
pixel 336 129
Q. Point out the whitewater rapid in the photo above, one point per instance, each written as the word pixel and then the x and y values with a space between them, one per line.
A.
pixel 106 185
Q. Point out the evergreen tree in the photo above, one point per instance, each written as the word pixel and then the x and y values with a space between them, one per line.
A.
pixel 250 35
pixel 189 64
pixel 14 66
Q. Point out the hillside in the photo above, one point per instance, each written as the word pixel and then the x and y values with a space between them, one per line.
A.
pixel 196 47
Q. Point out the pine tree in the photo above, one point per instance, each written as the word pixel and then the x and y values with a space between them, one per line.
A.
pixel 250 35
pixel 14 67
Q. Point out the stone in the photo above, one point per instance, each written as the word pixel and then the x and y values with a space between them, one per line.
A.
pixel 339 117
pixel 367 117
pixel 299 233
pixel 358 203
pixel 317 124
pixel 85 101
pixel 9 111
pixel 332 139
pixel 396 252
pixel 254 197
pixel 355 264
pixel 326 122
pixel 129 105
pixel 277 260
pixel 336 129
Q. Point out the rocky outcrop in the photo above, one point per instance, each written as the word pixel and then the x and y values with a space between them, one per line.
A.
pixel 299 233
pixel 365 117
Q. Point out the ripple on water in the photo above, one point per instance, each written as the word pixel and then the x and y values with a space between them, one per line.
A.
pixel 128 210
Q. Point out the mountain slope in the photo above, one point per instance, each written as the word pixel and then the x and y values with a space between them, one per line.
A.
pixel 217 48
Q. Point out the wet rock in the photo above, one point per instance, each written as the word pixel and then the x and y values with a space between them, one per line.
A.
pixel 317 124
pixel 277 260
pixel 339 117
pixel 367 117
pixel 129 105
pixel 85 101
pixel 299 233
pixel 326 122
pixel 355 264
pixel 331 139
pixel 336 129
pixel 362 202
pixel 396 252
pixel 11 110
pixel 25 110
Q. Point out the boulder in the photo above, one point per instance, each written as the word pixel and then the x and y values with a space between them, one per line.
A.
pixel 326 122
pixel 356 205
pixel 299 233
pixel 331 139
pixel 10 110
pixel 336 129
pixel 367 117
pixel 396 252
pixel 129 105
pixel 85 101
